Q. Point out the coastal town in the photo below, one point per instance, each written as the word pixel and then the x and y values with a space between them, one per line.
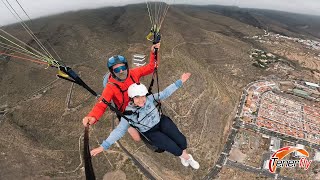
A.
pixel 264 108
pixel 310 44
pixel 272 115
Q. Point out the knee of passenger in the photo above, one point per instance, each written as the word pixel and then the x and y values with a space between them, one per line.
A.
pixel 136 138
pixel 134 134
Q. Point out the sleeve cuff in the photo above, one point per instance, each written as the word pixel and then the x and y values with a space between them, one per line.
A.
pixel 105 145
pixel 178 83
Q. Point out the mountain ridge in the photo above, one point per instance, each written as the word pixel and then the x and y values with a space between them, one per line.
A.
pixel 212 46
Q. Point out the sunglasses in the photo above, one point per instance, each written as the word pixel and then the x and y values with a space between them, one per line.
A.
pixel 118 69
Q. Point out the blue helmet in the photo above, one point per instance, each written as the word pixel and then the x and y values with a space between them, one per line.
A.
pixel 117 59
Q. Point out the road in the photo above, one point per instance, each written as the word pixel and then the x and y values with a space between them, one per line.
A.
pixel 256 170
pixel 237 124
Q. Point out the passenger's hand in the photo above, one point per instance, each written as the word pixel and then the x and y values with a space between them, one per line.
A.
pixel 96 151
pixel 155 46
pixel 185 77
pixel 88 120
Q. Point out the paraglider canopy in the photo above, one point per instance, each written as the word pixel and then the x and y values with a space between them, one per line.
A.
pixel 157 11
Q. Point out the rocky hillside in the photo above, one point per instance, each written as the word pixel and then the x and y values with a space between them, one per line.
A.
pixel 40 119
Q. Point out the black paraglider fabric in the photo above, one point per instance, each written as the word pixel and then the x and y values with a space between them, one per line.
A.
pixel 87 156
pixel 75 78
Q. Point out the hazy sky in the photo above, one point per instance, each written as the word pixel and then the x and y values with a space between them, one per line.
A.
pixel 37 8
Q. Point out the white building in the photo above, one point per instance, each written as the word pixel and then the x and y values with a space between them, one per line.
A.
pixel 298 154
pixel 266 164
pixel 312 84
pixel 274 144
pixel 139 60
pixel 317 156
pixel 139 57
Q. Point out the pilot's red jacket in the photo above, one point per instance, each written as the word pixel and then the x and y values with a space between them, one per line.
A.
pixel 111 92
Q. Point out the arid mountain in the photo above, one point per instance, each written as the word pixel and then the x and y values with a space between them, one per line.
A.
pixel 276 21
pixel 40 120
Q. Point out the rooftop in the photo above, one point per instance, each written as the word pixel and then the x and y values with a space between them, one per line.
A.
pixel 312 84
pixel 317 156
pixel 277 113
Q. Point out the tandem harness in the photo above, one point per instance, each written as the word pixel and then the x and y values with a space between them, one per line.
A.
pixel 120 115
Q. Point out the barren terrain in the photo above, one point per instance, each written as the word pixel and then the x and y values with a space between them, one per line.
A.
pixel 41 129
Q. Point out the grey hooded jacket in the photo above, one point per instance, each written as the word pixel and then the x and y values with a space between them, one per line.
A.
pixel 144 118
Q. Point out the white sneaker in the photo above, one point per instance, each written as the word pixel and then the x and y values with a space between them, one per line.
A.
pixel 194 164
pixel 184 162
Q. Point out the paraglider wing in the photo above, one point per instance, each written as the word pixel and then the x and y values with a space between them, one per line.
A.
pixel 157 11
pixel 87 156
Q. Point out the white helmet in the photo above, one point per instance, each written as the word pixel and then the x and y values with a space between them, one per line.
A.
pixel 137 89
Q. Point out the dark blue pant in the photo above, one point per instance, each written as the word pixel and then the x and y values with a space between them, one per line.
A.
pixel 165 135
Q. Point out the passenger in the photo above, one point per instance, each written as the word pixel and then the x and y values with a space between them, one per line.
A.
pixel 162 132
pixel 116 88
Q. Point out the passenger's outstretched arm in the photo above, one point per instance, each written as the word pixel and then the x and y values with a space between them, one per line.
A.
pixel 172 88
pixel 115 135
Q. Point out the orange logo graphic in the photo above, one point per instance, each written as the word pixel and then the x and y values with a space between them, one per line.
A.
pixel 277 160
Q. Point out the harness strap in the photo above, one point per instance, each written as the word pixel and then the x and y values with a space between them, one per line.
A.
pixel 75 78
pixel 132 79
pixel 123 116
pixel 155 75
pixel 122 91
pixel 131 123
